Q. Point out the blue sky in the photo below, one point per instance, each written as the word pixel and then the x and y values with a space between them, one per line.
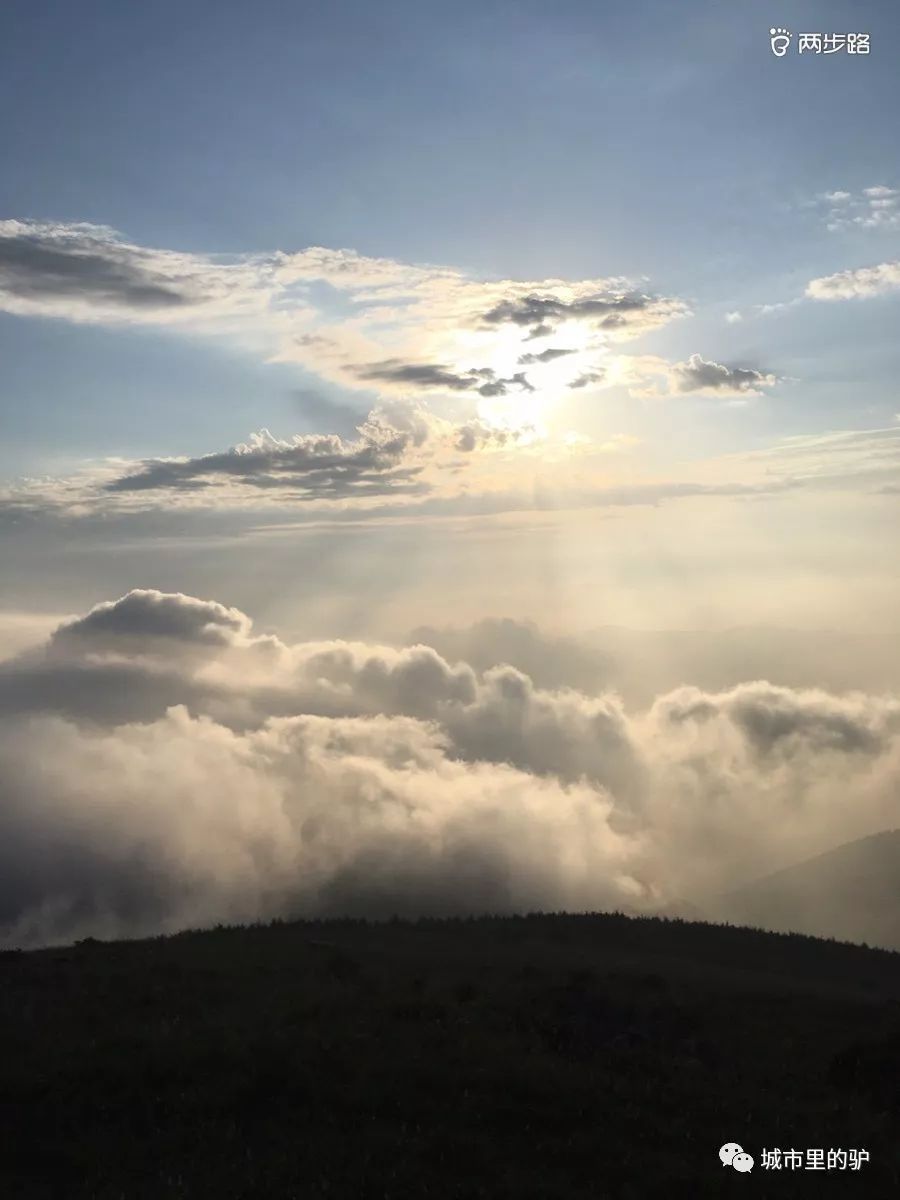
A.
pixel 506 139
pixel 651 148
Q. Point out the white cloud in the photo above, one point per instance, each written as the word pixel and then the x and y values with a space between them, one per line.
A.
pixel 856 284
pixel 874 208
pixel 200 772
pixel 768 310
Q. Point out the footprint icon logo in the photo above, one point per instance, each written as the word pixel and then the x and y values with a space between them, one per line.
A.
pixel 780 40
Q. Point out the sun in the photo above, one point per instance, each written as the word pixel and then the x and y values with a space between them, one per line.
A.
pixel 536 372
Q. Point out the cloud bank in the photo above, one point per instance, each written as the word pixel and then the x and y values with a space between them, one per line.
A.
pixel 357 321
pixel 371 325
pixel 856 284
pixel 164 766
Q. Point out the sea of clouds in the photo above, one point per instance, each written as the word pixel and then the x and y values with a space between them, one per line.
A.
pixel 163 766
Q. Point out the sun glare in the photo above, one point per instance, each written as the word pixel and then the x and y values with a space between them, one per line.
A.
pixel 536 372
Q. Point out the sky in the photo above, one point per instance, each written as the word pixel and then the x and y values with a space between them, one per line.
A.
pixel 559 339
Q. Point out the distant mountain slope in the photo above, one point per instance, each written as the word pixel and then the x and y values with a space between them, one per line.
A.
pixel 851 893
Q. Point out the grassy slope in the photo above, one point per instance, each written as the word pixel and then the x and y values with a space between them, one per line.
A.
pixel 547 1056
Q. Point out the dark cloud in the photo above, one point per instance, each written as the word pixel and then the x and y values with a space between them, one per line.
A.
pixel 145 614
pixel 699 375
pixel 500 387
pixel 108 693
pixel 779 720
pixel 425 375
pixel 545 356
pixel 310 467
pixel 38 265
pixel 482 380
pixel 539 314
pixel 772 717
pixel 475 433
pixel 587 378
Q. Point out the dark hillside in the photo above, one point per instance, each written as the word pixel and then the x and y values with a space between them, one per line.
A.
pixel 535 1057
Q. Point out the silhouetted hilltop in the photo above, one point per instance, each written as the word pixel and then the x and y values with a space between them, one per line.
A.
pixel 539 1057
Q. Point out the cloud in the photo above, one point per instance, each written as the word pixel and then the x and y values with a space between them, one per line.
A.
pixel 475 434
pixel 640 665
pixel 339 816
pixel 698 375
pixel 357 322
pixel 874 208
pixel 158 495
pixel 311 466
pixel 419 374
pixel 201 772
pixel 396 445
pixel 587 378
pixel 863 459
pixel 774 720
pixel 88 272
pixel 402 452
pixel 244 678
pixel 482 380
pixel 403 461
pixel 732 318
pixel 147 617
pixel 856 284
pixel 626 313
pixel 545 356
pixel 779 306
pixel 43 264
